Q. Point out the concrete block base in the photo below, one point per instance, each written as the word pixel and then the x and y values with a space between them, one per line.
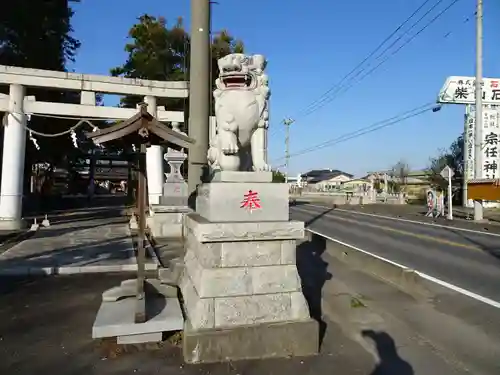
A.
pixel 167 221
pixel 139 339
pixel 115 319
pixel 269 340
pixel 13 225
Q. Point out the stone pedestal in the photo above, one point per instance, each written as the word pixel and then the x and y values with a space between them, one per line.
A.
pixel 116 316
pixel 241 289
pixel 166 219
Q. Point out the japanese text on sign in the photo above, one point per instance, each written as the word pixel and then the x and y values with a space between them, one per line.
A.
pixel 491 137
pixel 469 157
pixel 462 90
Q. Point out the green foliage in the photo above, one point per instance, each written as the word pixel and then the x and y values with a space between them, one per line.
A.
pixel 398 177
pixel 37 34
pixel 159 52
pixel 278 177
pixel 453 157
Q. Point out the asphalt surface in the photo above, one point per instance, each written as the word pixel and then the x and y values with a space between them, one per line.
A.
pixel 46 326
pixel 466 259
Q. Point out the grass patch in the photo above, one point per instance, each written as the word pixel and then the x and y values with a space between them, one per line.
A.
pixel 356 303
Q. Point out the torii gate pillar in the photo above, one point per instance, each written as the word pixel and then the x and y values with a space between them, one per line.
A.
pixel 14 150
pixel 154 160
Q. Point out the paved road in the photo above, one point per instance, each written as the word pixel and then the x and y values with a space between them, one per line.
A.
pixel 470 260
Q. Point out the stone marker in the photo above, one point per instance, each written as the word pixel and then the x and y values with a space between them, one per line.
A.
pixel 167 218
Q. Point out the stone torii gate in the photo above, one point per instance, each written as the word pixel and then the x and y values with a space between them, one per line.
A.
pixel 17 105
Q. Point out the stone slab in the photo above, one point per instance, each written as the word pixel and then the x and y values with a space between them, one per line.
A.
pixel 237 310
pixel 230 202
pixel 12 225
pixel 243 254
pixel 117 318
pixel 284 339
pixel 140 339
pixel 206 231
pixel 241 281
pixel 235 176
pixel 161 208
pixel 166 225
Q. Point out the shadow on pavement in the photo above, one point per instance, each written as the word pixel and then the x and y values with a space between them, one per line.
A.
pixel 318 216
pixel 116 249
pixel 390 361
pixel 313 274
pixel 493 250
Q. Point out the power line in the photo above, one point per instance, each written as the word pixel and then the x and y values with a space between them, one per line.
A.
pixel 342 90
pixel 324 96
pixel 349 85
pixel 368 129
pixel 367 57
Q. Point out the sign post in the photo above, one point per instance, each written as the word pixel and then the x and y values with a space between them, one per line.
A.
pixel 447 173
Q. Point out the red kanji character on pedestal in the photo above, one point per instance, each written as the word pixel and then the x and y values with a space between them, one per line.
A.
pixel 251 201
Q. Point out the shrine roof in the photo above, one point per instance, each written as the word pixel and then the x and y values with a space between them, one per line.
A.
pixel 143 122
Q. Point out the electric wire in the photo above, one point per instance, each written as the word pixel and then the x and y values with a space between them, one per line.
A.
pixel 371 54
pixel 368 129
pixel 344 89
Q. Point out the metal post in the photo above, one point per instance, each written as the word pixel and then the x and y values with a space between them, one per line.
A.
pixel 478 136
pixel 199 91
pixel 287 123
pixel 450 200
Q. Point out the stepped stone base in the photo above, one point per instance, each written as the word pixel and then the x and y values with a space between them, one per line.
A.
pixel 241 274
pixel 267 340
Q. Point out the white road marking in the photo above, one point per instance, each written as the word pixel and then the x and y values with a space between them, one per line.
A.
pixel 407 220
pixel 433 279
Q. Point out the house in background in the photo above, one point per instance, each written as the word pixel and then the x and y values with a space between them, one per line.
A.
pixel 358 185
pixel 416 182
pixel 326 179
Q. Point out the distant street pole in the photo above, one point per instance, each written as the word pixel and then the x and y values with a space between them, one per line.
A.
pixel 199 91
pixel 450 200
pixel 478 137
pixel 287 122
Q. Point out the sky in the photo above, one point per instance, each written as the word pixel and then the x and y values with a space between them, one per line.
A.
pixel 310 46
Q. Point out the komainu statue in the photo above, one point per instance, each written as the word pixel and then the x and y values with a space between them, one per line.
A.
pixel 241 111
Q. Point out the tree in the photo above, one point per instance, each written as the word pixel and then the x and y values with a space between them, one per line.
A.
pixel 158 52
pixel 278 177
pixel 452 157
pixel 399 176
pixel 37 34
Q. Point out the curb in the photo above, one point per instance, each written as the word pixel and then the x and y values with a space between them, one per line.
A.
pixel 68 270
pixel 73 270
pixel 404 278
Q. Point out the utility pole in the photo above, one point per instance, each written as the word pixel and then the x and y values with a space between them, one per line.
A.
pixel 199 91
pixel 478 134
pixel 287 122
